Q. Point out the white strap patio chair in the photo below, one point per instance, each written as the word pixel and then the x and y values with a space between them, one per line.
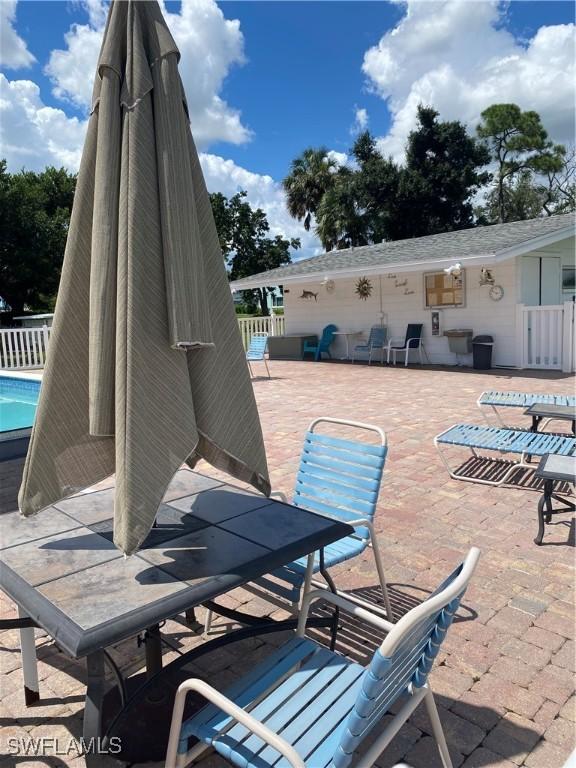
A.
pixel 306 705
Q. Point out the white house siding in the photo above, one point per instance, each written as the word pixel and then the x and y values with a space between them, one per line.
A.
pixel 349 313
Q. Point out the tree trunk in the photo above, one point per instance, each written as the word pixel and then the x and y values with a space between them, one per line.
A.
pixel 263 298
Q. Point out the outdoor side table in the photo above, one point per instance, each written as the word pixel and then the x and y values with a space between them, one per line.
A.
pixel 554 469
pixel 541 411
pixel 347 336
pixel 63 571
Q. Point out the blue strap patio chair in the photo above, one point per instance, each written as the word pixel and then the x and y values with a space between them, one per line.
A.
pixel 339 478
pixel 376 340
pixel 306 705
pixel 412 340
pixel 493 400
pixel 257 351
pixel 504 441
pixel 323 345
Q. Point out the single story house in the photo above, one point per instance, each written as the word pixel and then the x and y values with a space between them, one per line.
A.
pixel 514 282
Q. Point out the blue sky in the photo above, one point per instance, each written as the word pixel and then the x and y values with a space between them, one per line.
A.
pixel 289 75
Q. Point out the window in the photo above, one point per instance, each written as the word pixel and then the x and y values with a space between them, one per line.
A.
pixel 568 278
pixel 442 290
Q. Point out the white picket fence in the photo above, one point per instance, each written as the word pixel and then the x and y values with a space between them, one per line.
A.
pixel 273 326
pixel 23 347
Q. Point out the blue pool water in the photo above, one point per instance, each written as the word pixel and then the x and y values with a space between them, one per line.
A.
pixel 18 401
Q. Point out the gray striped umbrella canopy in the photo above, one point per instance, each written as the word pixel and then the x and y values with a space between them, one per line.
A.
pixel 146 368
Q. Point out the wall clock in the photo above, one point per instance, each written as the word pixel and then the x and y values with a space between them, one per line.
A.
pixel 496 292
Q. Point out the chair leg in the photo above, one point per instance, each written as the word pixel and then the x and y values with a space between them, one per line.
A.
pixel 380 572
pixel 406 357
pixel 420 353
pixel 267 369
pixel 208 622
pixel 437 729
pixel 250 369
pixel 307 578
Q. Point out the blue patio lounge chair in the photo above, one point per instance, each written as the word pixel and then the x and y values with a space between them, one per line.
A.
pixel 376 340
pixel 305 705
pixel 494 400
pixel 257 351
pixel 339 478
pixel 504 441
pixel 412 340
pixel 323 345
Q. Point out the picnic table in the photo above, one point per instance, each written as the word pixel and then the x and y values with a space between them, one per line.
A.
pixel 541 411
pixel 63 571
pixel 554 469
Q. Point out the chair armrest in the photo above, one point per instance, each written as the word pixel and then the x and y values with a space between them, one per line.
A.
pixel 394 341
pixel 233 710
pixel 281 495
pixel 416 339
pixel 341 602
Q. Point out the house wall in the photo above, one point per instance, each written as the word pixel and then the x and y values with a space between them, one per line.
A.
pixel 349 313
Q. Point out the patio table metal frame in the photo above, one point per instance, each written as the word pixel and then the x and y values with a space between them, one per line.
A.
pixel 544 412
pixel 552 470
pixel 62 569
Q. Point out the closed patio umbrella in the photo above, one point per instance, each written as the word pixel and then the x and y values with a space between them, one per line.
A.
pixel 146 367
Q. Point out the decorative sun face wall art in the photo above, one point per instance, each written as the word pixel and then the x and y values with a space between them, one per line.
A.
pixel 363 288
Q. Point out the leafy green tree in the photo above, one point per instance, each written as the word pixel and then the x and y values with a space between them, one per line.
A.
pixel 311 176
pixel 445 168
pixel 517 142
pixel 34 218
pixel 246 246
pixel 522 198
pixel 379 200
pixel 376 185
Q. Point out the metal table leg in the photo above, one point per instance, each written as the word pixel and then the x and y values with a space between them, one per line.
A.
pixel 92 728
pixel 153 642
pixel 29 662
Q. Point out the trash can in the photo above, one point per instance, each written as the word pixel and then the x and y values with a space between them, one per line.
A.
pixel 482 352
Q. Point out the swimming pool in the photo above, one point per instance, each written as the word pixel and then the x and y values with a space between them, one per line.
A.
pixel 18 402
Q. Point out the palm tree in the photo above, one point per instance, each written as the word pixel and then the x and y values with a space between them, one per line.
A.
pixel 311 176
pixel 341 220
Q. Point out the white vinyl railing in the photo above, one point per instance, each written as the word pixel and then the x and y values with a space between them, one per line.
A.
pixel 542 336
pixel 273 326
pixel 23 347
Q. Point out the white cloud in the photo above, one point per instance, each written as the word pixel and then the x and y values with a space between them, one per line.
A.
pixel 209 44
pixel 360 120
pixel 33 135
pixel 458 57
pixel 14 52
pixel 340 158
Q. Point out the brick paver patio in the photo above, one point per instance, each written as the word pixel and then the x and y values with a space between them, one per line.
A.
pixel 505 684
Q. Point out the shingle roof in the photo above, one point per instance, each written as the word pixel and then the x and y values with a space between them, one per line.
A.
pixel 485 242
